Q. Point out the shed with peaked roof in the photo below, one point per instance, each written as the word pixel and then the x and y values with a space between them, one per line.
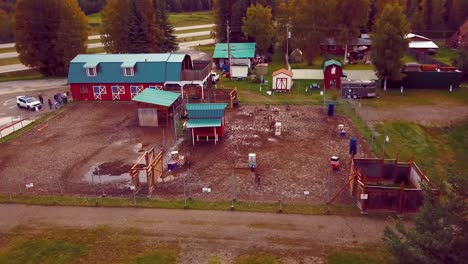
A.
pixel 206 121
pixel 282 80
pixel 332 73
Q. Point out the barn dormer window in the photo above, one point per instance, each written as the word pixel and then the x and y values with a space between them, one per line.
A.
pixel 129 71
pixel 91 72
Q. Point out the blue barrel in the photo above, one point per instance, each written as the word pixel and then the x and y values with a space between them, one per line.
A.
pixel 353 146
pixel 331 109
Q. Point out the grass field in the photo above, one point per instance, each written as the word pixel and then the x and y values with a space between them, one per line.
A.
pixel 20 75
pixel 445 55
pixel 361 256
pixel 55 245
pixel 9 61
pixel 96 50
pixel 411 97
pixel 441 151
pixel 175 19
pixel 191 18
pixel 194 38
pixel 99 245
pixel 5 50
pixel 209 49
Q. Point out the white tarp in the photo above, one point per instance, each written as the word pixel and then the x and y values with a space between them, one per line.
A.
pixel 239 71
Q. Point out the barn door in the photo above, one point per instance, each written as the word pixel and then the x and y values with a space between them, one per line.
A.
pixel 281 83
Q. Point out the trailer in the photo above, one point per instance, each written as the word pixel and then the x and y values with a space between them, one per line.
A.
pixel 358 89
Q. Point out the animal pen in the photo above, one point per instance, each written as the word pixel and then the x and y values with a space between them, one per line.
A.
pixel 387 185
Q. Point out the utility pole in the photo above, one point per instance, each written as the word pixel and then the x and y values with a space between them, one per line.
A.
pixel 288 36
pixel 228 32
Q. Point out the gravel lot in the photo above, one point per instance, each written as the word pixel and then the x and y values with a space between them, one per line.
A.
pixel 64 156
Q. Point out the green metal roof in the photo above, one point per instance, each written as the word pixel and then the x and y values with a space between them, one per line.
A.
pixel 205 111
pixel 331 62
pixel 157 97
pixel 197 123
pixel 92 60
pixel 238 50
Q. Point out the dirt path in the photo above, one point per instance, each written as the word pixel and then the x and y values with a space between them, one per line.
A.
pixel 306 239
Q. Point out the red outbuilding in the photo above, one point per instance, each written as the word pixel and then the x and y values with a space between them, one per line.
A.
pixel 332 73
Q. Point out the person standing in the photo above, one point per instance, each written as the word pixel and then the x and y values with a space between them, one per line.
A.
pixel 41 99
pixel 50 103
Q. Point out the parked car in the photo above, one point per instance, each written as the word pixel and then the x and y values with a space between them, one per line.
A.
pixel 214 77
pixel 28 102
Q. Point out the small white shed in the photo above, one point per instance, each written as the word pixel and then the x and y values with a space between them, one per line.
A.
pixel 282 80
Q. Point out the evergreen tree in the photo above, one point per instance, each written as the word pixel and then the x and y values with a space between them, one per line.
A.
pixel 130 27
pixel 169 41
pixel 49 33
pixel 388 42
pixel 439 233
pixel 258 25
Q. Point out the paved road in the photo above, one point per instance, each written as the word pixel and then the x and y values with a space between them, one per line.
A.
pixel 12 68
pixel 246 229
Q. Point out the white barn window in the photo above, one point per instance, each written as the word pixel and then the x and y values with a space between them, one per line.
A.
pixel 91 72
pixel 129 71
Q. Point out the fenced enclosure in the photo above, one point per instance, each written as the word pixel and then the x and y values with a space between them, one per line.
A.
pixel 387 185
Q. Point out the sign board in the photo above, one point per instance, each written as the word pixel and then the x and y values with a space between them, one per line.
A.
pixel 306 193
pixel 132 187
pixel 364 196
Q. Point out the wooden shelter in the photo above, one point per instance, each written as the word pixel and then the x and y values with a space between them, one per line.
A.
pixel 206 121
pixel 153 168
pixel 150 101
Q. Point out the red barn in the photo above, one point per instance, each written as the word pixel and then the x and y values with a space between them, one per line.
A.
pixel 108 77
pixel 332 73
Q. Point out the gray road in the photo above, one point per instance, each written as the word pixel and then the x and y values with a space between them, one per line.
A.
pixel 212 229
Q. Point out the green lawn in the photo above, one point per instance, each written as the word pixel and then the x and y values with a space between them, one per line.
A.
pixel 408 59
pixel 439 150
pixel 194 30
pixel 187 39
pixel 258 258
pixel 98 245
pixel 5 50
pixel 361 256
pixel 445 55
pixel 191 18
pixel 394 98
pixel 94 24
pixel 359 66
pixel 9 61
pixel 96 50
pixel 20 75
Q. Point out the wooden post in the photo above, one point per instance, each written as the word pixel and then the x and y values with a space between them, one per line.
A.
pixel 364 201
pixel 214 128
pixel 402 191
pixel 193 138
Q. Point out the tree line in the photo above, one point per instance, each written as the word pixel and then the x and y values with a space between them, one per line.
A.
pixel 50 33
pixel 94 6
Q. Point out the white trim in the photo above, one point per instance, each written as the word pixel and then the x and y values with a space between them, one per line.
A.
pixel 102 90
pixel 132 71
pixel 138 90
pixel 91 72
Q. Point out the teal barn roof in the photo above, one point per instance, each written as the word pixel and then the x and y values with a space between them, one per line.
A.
pixel 331 62
pixel 198 123
pixel 205 111
pixel 238 50
pixel 148 68
pixel 156 97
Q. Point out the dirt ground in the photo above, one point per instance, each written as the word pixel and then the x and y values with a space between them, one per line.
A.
pixel 91 145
